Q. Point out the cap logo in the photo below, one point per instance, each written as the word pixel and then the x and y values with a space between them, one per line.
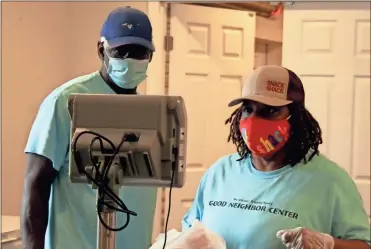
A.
pixel 129 25
pixel 275 86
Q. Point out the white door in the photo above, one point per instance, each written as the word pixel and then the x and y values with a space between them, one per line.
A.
pixel 213 50
pixel 330 51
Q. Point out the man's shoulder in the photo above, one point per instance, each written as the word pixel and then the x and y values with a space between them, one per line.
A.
pixel 81 84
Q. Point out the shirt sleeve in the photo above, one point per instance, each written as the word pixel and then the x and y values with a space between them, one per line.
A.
pixel 196 210
pixel 350 221
pixel 49 136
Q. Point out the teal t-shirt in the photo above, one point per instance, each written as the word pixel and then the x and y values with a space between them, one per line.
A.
pixel 72 207
pixel 247 207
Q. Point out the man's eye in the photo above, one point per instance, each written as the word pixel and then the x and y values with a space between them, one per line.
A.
pixel 113 53
pixel 116 53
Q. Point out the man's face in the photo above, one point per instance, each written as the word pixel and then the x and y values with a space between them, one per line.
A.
pixel 131 51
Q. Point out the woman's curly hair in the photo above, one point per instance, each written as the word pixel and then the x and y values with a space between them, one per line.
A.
pixel 305 135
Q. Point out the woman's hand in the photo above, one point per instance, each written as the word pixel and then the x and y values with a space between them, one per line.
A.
pixel 304 238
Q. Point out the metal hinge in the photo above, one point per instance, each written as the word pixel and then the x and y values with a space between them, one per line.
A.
pixel 168 43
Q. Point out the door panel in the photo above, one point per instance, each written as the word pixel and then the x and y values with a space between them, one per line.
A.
pixel 260 57
pixel 213 50
pixel 330 51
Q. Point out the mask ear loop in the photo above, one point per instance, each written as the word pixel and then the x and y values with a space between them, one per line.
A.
pixel 104 61
pixel 103 40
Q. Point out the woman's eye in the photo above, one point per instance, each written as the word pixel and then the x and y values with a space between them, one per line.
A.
pixel 273 110
pixel 245 113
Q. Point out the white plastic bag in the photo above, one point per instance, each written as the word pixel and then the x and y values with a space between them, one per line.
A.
pixel 196 237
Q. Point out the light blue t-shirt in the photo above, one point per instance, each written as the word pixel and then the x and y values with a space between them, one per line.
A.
pixel 247 207
pixel 72 207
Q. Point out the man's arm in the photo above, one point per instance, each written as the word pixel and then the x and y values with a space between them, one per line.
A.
pixel 40 174
pixel 46 150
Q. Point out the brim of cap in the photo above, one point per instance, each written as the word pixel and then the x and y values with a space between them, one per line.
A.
pixel 120 41
pixel 261 99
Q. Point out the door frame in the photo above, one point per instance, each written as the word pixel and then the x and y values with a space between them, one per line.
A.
pixel 155 83
pixel 330 5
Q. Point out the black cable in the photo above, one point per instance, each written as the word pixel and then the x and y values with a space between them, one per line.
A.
pixel 92 159
pixel 169 206
pixel 101 194
pixel 124 139
pixel 101 180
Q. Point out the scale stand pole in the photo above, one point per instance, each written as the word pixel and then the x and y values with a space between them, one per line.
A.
pixel 106 239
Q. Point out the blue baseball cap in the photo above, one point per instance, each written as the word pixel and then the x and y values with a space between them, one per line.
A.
pixel 126 25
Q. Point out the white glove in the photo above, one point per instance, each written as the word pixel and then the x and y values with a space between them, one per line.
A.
pixel 196 237
pixel 304 238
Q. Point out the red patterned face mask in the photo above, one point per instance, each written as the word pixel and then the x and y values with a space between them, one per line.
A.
pixel 264 137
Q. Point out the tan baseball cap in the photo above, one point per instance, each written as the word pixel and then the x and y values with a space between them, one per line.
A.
pixel 272 85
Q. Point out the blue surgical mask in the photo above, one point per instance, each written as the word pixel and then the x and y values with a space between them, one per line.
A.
pixel 127 73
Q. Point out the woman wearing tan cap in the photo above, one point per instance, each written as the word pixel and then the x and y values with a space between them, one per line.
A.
pixel 278 191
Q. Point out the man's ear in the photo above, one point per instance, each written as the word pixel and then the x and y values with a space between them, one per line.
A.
pixel 100 50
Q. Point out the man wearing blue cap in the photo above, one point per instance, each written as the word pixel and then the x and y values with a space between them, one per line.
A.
pixel 57 214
